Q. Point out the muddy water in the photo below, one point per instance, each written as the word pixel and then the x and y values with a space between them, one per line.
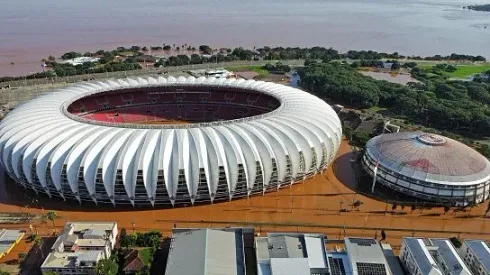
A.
pixel 309 207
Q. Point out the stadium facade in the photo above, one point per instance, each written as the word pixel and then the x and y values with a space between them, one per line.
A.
pixel 429 167
pixel 168 140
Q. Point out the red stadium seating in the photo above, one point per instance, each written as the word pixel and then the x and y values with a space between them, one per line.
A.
pixel 146 105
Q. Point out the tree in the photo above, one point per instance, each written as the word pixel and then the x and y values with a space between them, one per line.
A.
pixel 51 215
pixel 22 257
pixel 359 138
pixel 205 49
pixel 395 66
pixel 446 209
pixel 123 238
pixel 4 272
pixel 50 273
pixel 456 242
pixel 70 55
pixel 107 267
pixel 132 240
pixel 356 204
pixel 51 58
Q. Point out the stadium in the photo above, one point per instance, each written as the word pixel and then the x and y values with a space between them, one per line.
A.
pixel 167 141
pixel 428 167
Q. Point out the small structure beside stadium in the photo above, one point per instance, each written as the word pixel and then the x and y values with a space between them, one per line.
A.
pixel 428 167
pixel 8 239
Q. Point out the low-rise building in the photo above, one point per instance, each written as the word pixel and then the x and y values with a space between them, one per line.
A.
pixel 431 256
pixel 366 257
pixel 80 246
pixel 476 254
pixel 291 254
pixel 203 251
pixel 8 239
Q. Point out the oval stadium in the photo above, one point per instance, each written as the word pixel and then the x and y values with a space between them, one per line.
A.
pixel 428 167
pixel 167 141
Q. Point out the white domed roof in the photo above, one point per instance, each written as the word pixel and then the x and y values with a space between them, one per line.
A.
pixel 41 136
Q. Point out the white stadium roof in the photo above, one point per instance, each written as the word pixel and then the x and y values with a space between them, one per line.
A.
pixel 39 139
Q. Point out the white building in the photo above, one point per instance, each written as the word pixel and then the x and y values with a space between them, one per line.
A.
pixel 80 60
pixel 366 257
pixel 291 254
pixel 431 256
pixel 416 258
pixel 80 246
pixel 476 254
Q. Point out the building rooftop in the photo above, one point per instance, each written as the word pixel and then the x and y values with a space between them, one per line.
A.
pixel 421 254
pixel 81 244
pixel 8 238
pixel 481 250
pixel 429 157
pixel 206 252
pixel 366 256
pixel 450 257
pixel 278 251
pixel 76 233
pixel 72 259
pixel 392 260
pixel 289 266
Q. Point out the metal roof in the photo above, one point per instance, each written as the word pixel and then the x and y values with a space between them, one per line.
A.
pixel 205 252
pixel 40 136
pixel 421 255
pixel 365 250
pixel 430 158
pixel 482 252
pixel 290 266
pixel 451 258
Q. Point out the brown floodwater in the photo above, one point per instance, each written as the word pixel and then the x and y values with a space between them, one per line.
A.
pixel 312 206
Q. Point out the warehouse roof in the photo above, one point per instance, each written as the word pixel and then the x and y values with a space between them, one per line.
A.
pixel 206 252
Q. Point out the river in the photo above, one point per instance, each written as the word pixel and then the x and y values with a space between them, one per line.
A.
pixel 32 29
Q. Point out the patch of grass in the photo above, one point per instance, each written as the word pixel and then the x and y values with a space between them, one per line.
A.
pixel 145 256
pixel 377 109
pixel 258 69
pixel 463 71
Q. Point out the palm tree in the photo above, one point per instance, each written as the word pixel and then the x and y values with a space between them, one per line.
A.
pixel 51 215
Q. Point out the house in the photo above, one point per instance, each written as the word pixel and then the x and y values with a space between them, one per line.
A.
pixel 132 262
pixel 80 246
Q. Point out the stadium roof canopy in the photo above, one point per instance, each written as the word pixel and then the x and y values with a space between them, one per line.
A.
pixel 41 141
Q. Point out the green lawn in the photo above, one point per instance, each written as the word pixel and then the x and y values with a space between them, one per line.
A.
pixel 145 256
pixel 258 69
pixel 467 70
pixel 463 71
pixel 376 109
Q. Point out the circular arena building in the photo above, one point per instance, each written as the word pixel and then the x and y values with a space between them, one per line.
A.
pixel 157 141
pixel 428 166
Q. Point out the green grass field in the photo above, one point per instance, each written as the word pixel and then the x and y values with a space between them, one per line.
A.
pixel 258 69
pixel 467 70
pixel 463 71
